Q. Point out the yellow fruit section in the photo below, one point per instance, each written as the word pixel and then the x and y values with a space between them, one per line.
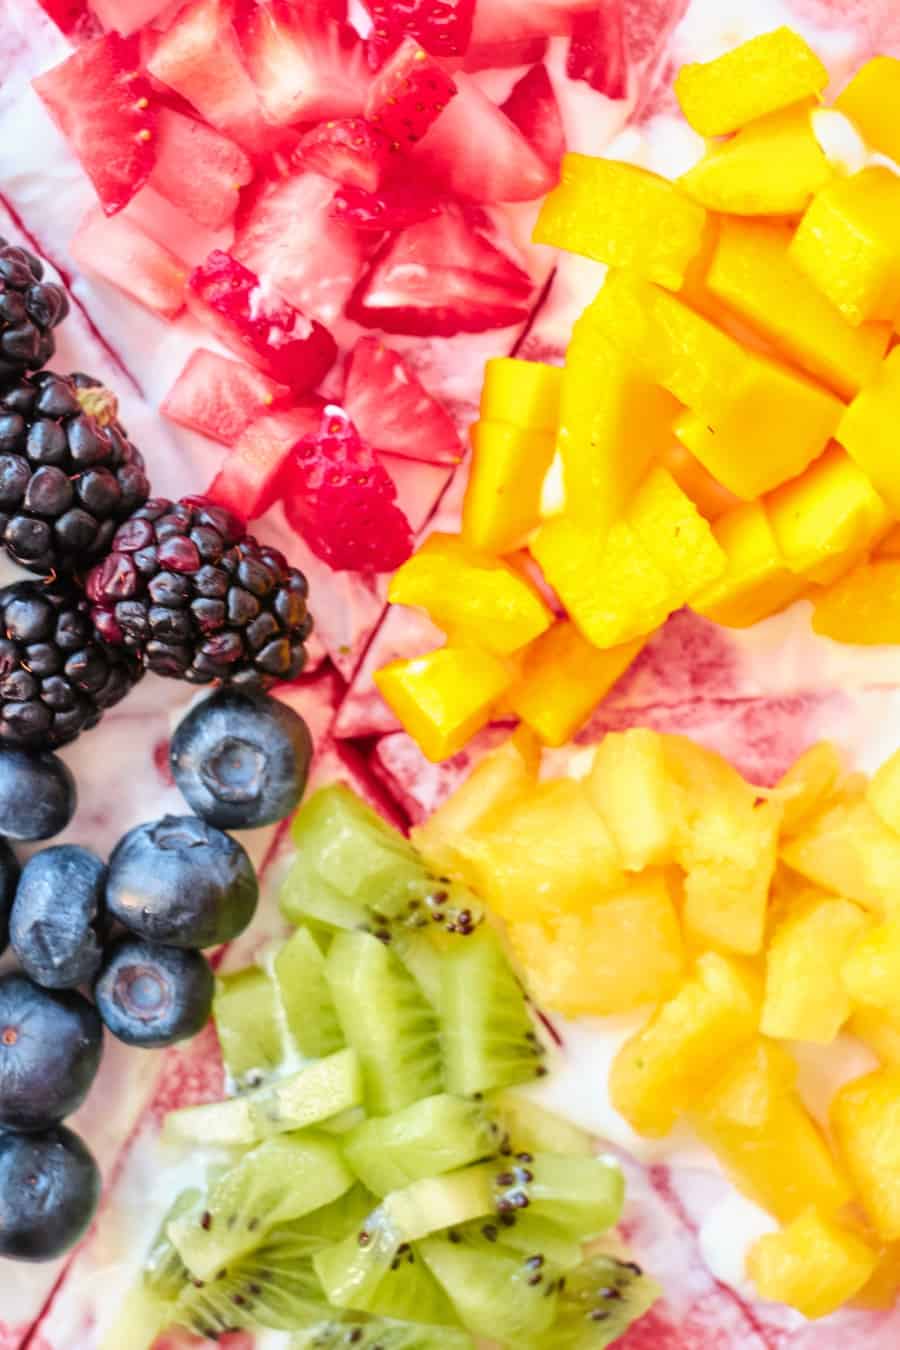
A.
pixel 815 1264
pixel 760 76
pixel 631 787
pixel 711 499
pixel 871 968
pixel 503 494
pixel 868 428
pixel 805 998
pixel 675 534
pixel 445 697
pixel 806 786
pixel 880 1032
pixel 871 100
pixel 883 792
pixel 525 393
pixel 865 1122
pixel 863 606
pixel 848 849
pixel 756 581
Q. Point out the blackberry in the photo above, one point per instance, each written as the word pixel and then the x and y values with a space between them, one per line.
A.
pixel 200 599
pixel 68 472
pixel 30 308
pixel 56 676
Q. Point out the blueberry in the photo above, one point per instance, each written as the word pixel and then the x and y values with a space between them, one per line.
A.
pixel 58 917
pixel 241 760
pixel 181 882
pixel 151 996
pixel 50 1187
pixel 9 877
pixel 37 794
pixel 50 1044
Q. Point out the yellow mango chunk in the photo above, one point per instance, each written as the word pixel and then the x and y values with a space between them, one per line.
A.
pixel 470 594
pixel 868 429
pixel 805 998
pixel 622 215
pixel 631 787
pixel 805 787
pixel 756 582
pixel 883 791
pixel 711 499
pixel 609 584
pixel 862 607
pixel 758 77
pixel 865 1123
pixel 871 969
pixel 503 494
pixel 826 519
pixel 755 1123
pixel 675 534
pixel 525 393
pixel 443 698
pixel 753 274
pixel 771 167
pixel 878 1030
pixel 726 844
pixel 815 1264
pixel 889 546
pixel 669 1064
pixel 562 678
pixel 573 963
pixel 870 101
pixel 881 1289
pixel 848 244
pixel 848 849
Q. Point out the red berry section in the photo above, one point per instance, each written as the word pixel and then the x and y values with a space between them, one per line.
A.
pixel 532 106
pixel 350 151
pixel 251 478
pixel 220 398
pixel 597 52
pixel 393 207
pixel 199 169
pixel 305 64
pixel 118 250
pixel 408 94
pixel 127 16
pixel 442 27
pixel 72 17
pixel 393 411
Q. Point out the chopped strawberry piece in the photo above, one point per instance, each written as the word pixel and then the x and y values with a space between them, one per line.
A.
pixel 350 151
pixel 305 65
pixel 127 16
pixel 342 501
pixel 263 328
pixel 394 207
pixel 249 480
pixel 476 152
pixel 408 94
pixel 286 237
pixel 520 52
pixel 118 250
pixel 511 20
pixel 199 169
pixel 393 411
pixel 104 107
pixel 532 106
pixel 72 17
pixel 442 27
pixel 219 397
pixel 439 278
pixel 597 51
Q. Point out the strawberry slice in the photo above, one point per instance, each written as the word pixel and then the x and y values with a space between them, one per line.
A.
pixel 532 106
pixel 305 65
pixel 393 207
pixel 408 94
pixel 72 17
pixel 597 52
pixel 219 397
pixel 249 481
pixel 119 251
pixel 257 325
pixel 341 500
pixel 511 20
pixel 127 16
pixel 520 52
pixel 441 277
pixel 199 169
pixel 442 27
pixel 104 107
pixel 392 409
pixel 351 151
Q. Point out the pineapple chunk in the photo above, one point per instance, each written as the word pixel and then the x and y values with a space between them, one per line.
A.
pixel 805 999
pixel 574 964
pixel 881 1289
pixel 815 1264
pixel 880 1031
pixel 883 792
pixel 865 1122
pixel 669 1064
pixel 871 969
pixel 848 849
pixel 631 788
pixel 806 786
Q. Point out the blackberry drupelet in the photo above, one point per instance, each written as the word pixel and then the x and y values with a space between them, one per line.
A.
pixel 200 599
pixel 30 308
pixel 56 675
pixel 68 472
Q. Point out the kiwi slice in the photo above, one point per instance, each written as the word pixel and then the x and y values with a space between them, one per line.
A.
pixel 381 1334
pixel 530 1235
pixel 386 1018
pixel 298 969
pixel 245 1012
pixel 596 1304
pixel 142 1317
pixel 165 1274
pixel 487 1035
pixel 493 1289
pixel 581 1197
pixel 430 1137
pixel 525 1125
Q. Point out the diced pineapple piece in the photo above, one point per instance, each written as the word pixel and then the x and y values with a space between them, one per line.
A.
pixel 879 1031
pixel 674 533
pixel 868 428
pixel 883 791
pixel 525 393
pixel 503 494
pixel 756 582
pixel 847 849
pixel 574 964
pixel 865 1122
pixel 443 698
pixel 806 786
pixel 758 77
pixel 631 788
pixel 863 606
pixel 881 1288
pixel 711 499
pixel 889 546
pixel 755 1123
pixel 805 998
pixel 870 100
pixel 562 679
pixel 671 1062
pixel 623 215
pixel 815 1264
pixel 871 968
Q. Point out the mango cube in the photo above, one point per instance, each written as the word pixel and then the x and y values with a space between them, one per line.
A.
pixel 805 998
pixel 622 215
pixel 711 499
pixel 756 581
pixel 562 678
pixel 669 1064
pixel 470 594
pixel 871 968
pixel 443 698
pixel 525 393
pixel 758 77
pixel 870 100
pixel 848 244
pixel 771 167
pixel 631 787
pixel 814 1264
pixel 675 534
pixel 883 791
pixel 754 1121
pixel 862 607
pixel 889 545
pixel 865 1123
pixel 573 963
pixel 880 1031
pixel 868 429
pixel 753 274
pixel 848 849
pixel 805 787
pixel 503 494
pixel 609 584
